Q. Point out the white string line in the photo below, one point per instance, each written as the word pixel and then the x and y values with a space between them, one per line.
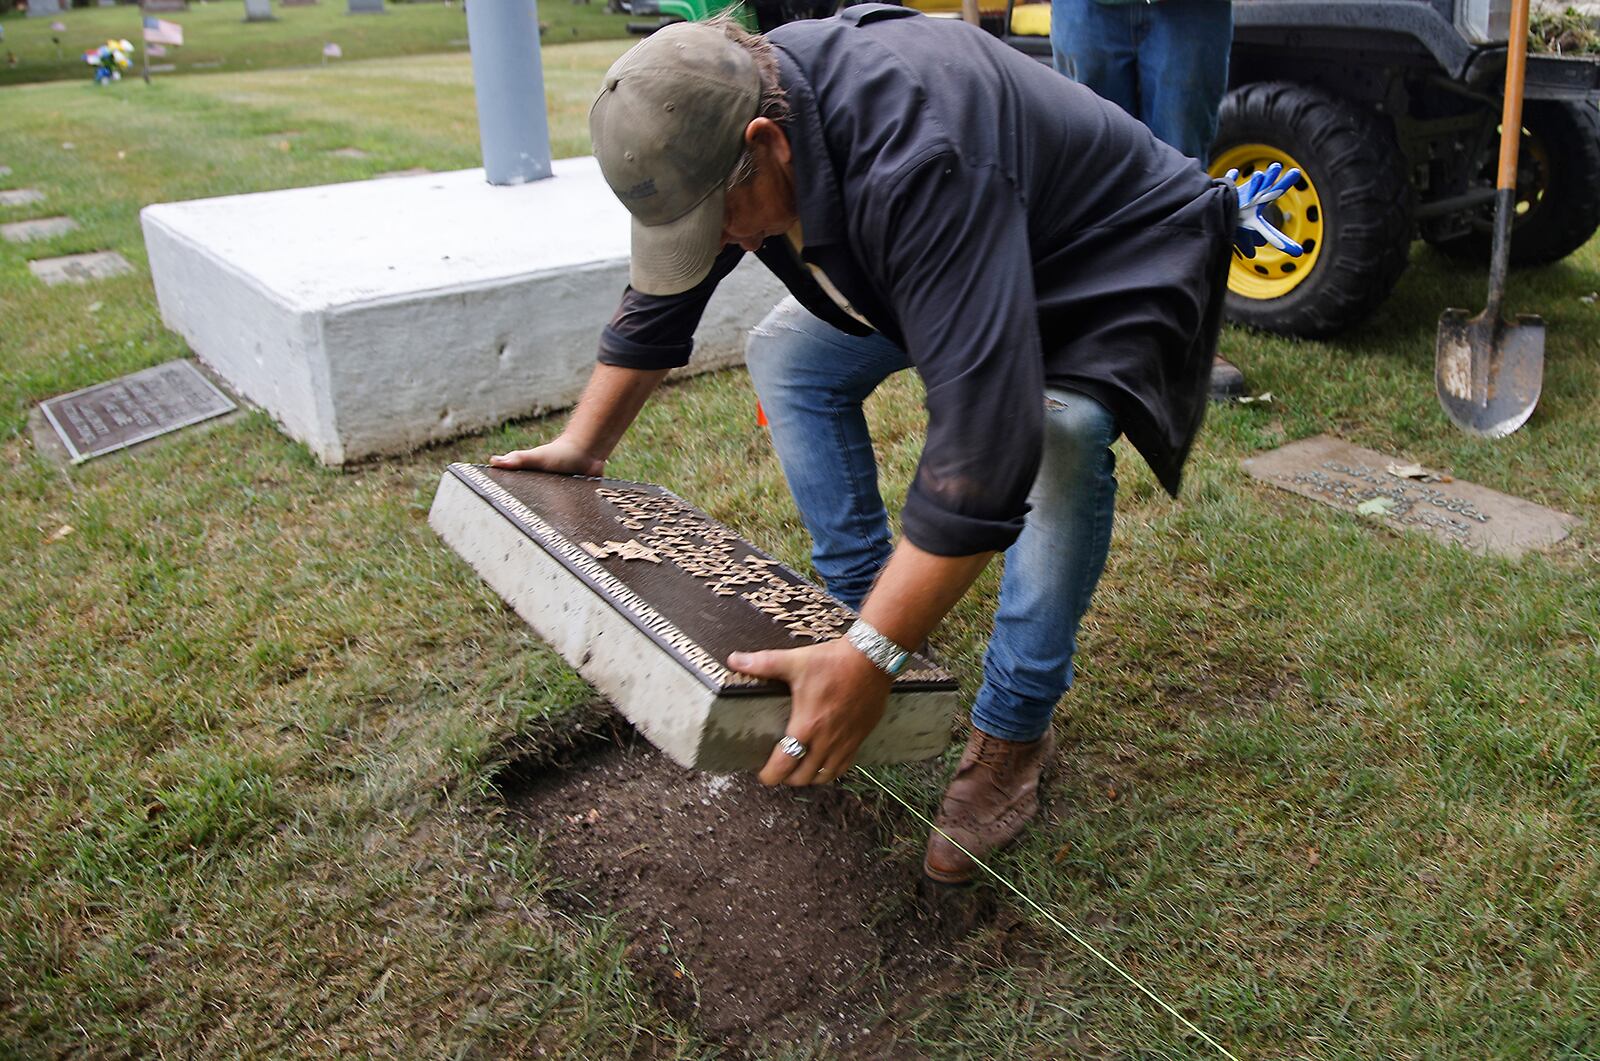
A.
pixel 1085 944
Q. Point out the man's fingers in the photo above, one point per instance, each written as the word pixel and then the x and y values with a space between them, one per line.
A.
pixel 781 766
pixel 522 458
pixel 772 664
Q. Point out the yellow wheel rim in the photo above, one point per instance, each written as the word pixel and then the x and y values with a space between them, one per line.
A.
pixel 1297 214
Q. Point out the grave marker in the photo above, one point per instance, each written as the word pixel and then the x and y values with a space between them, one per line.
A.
pixel 80 268
pixel 41 8
pixel 21 197
pixel 349 152
pixel 111 416
pixel 1359 481
pixel 366 7
pixel 43 228
pixel 646 596
pixel 5 171
pixel 258 11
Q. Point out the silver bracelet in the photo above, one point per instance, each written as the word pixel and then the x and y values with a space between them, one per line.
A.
pixel 884 654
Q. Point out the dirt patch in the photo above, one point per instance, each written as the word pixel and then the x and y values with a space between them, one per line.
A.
pixel 759 915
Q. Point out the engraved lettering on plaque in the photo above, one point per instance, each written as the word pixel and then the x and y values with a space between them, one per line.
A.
pixel 111 416
pixel 1371 484
pixel 669 529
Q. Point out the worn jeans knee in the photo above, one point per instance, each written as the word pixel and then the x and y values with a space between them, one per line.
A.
pixel 812 379
pixel 1051 572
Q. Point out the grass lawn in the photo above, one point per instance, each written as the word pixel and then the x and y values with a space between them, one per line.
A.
pixel 216 36
pixel 1329 790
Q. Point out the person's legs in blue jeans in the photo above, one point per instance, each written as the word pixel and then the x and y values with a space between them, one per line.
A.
pixel 1097 45
pixel 812 380
pixel 1051 572
pixel 1183 72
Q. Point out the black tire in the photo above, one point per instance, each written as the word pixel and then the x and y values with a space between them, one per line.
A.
pixel 1351 157
pixel 1558 187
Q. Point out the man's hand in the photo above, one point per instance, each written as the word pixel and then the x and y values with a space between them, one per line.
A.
pixel 561 456
pixel 838 698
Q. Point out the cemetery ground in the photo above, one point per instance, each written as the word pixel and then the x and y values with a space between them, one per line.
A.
pixel 216 36
pixel 281 776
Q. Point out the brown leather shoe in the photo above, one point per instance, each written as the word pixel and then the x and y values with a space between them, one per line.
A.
pixel 994 794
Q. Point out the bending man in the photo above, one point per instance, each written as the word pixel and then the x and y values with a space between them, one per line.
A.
pixel 932 200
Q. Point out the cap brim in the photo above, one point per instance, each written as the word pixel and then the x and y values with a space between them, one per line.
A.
pixel 669 259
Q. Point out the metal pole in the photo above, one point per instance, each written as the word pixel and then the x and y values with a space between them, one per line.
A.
pixel 508 77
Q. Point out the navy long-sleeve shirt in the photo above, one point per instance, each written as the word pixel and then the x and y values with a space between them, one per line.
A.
pixel 1005 226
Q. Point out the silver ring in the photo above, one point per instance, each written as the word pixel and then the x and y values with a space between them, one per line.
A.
pixel 792 748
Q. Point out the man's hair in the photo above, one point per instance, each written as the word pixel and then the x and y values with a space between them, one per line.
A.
pixel 774 102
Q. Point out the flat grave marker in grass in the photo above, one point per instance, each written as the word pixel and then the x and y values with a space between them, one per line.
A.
pixel 1407 497
pixel 5 171
pixel 349 152
pixel 124 412
pixel 21 197
pixel 80 268
pixel 366 7
pixel 646 597
pixel 43 228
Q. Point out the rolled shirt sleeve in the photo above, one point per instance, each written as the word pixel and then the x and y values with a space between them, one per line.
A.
pixel 652 332
pixel 955 263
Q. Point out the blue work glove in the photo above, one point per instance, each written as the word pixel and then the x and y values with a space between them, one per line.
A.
pixel 1252 230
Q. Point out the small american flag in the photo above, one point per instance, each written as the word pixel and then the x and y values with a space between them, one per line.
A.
pixel 160 31
pixel 332 51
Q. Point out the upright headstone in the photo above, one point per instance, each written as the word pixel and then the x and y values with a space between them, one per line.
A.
pixel 367 7
pixel 646 596
pixel 40 8
pixel 258 10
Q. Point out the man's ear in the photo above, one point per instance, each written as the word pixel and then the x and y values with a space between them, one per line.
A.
pixel 766 136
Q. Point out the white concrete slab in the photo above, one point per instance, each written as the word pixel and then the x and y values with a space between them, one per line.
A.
pixel 374 317
pixel 43 228
pixel 21 197
pixel 80 268
pixel 349 152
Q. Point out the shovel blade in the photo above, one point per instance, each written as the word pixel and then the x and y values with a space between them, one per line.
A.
pixel 1488 372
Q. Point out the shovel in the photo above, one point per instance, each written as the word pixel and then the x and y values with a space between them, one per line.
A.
pixel 1489 372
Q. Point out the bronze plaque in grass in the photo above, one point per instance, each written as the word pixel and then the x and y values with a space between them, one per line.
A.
pixel 1409 497
pixel 112 416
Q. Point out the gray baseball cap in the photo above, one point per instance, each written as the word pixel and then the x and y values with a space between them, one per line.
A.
pixel 668 128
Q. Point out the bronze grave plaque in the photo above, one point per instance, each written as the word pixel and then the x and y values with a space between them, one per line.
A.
pixel 1408 497
pixel 112 416
pixel 647 596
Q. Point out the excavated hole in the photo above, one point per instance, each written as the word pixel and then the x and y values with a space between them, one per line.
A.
pixel 762 916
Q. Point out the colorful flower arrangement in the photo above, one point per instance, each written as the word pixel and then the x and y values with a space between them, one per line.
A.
pixel 109 60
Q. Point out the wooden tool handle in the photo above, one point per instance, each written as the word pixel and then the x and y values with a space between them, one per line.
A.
pixel 1511 112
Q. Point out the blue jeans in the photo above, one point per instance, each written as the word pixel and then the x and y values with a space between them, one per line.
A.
pixel 812 380
pixel 1165 63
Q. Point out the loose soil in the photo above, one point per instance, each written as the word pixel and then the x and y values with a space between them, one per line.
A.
pixel 761 916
